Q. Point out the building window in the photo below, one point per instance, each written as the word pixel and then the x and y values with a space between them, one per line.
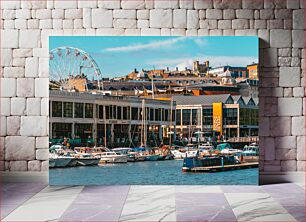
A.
pixel 178 116
pixel 135 113
pixel 68 109
pixel 101 112
pixel 207 117
pixel 186 116
pixel 194 117
pixel 119 114
pixel 151 114
pixel 107 116
pixel 57 109
pixel 166 115
pixel 230 116
pixel 88 110
pixel 78 110
pixel 125 112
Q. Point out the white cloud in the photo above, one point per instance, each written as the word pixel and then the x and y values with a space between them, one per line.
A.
pixel 214 61
pixel 151 45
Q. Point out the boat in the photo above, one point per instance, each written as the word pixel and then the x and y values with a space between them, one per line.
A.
pixel 196 162
pixel 113 157
pixel 86 159
pixel 180 154
pixel 230 151
pixel 151 157
pixel 58 161
pixel 131 157
pixel 251 150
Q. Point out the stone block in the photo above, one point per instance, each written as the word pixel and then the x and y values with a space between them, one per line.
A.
pixel 66 4
pixel 229 14
pixel 13 125
pixel 25 87
pixel 160 18
pixel 178 32
pixel 179 18
pixel 288 24
pixel 269 148
pixel 285 154
pixel 164 4
pixel 280 126
pixel 192 19
pixel 33 106
pixel 2 142
pixel 240 24
pixel 68 24
pixel 266 14
pixel 288 92
pixel 264 126
pixel 124 14
pixel 284 61
pixel 191 32
pixel 58 13
pixel 8 24
pixel 86 18
pixel 18 166
pixel 285 142
pixel 8 87
pixel 224 24
pixel 252 4
pixel 283 14
pixel 29 38
pixel 125 23
pixel 203 4
pixel 10 4
pixel 142 24
pixel 42 154
pixel 165 32
pixel 73 13
pixel 45 165
pixel 20 24
pixel 186 4
pixel 227 4
pixel 45 107
pixel 293 4
pixel 31 67
pixel 41 87
pixel 87 4
pixel 298 19
pixel 23 14
pixel 149 32
pixel 22 53
pixel 8 14
pixel 301 148
pixel 110 31
pixel 9 38
pixel 10 72
pixel 33 4
pixel 3 127
pixel 289 76
pixel 132 4
pixel 143 14
pixel 284 52
pixel 42 142
pixel 19 148
pixel 290 106
pixel 298 91
pixel 43 14
pixel 271 168
pixel 34 165
pixel 34 126
pixel 214 14
pixel 270 57
pixel 275 24
pixel 298 38
pixel 301 166
pixel 280 38
pixel 298 126
pixel 245 14
pixel 288 165
pixel 18 106
pixel 264 38
pixel 43 67
pixel 109 4
pixel 102 18
pixel 5 106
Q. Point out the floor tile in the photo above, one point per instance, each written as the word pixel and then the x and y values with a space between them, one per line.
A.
pixel 203 207
pixel 257 207
pixel 149 203
pixel 198 189
pixel 98 203
pixel 298 212
pixel 22 187
pixel 291 199
pixel 47 205
pixel 283 188
pixel 242 189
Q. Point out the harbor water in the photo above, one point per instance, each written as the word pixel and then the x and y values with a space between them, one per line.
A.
pixel 148 173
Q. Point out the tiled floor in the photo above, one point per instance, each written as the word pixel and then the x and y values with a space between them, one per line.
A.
pixel 39 202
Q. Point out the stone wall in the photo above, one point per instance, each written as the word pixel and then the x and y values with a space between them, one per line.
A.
pixel 26 26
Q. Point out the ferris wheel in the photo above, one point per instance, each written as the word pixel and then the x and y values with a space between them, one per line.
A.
pixel 69 64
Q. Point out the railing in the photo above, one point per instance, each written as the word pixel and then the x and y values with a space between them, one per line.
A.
pixel 251 139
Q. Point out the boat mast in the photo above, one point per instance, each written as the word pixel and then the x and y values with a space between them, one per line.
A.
pixel 104 115
pixel 142 122
pixel 170 131
pixel 145 124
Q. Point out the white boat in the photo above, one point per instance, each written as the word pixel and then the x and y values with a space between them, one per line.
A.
pixel 230 151
pixel 113 157
pixel 180 155
pixel 59 161
pixel 251 150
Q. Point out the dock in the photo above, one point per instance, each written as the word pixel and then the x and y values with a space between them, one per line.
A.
pixel 212 169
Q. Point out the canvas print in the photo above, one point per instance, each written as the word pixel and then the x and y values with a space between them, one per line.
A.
pixel 153 110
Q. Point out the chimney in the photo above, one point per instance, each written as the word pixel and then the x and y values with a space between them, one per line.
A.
pixel 176 68
pixel 185 68
pixel 168 69
pixel 135 70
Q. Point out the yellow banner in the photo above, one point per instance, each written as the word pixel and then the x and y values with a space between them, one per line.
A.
pixel 217 117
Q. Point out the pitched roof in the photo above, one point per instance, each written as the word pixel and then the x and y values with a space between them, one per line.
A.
pixel 201 100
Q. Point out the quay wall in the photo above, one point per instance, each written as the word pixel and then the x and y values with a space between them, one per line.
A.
pixel 26 25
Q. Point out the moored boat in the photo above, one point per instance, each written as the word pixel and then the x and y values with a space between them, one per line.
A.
pixel 113 157
pixel 87 160
pixel 151 157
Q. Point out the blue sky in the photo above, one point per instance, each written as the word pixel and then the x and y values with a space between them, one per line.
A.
pixel 119 55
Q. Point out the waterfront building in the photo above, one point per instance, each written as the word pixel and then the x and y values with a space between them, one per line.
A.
pixel 216 116
pixel 117 120
pixel 253 71
pixel 235 71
